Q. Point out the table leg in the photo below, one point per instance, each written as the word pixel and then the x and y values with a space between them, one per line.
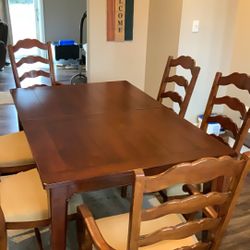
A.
pixel 58 208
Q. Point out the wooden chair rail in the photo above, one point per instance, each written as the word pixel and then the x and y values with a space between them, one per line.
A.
pixel 174 96
pixel 27 224
pixel 233 103
pixel 28 44
pixel 187 205
pixel 240 80
pixel 180 80
pixel 15 169
pixel 34 74
pixel 33 224
pixel 32 59
pixel 208 209
pixel 179 231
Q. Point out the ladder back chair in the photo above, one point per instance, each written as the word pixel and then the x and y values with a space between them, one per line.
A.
pixel 164 226
pixel 31 59
pixel 239 133
pixel 187 63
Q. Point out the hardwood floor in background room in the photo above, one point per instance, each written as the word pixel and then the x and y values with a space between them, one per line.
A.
pixel 238 233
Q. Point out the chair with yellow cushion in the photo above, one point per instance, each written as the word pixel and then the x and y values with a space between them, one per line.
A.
pixel 15 153
pixel 24 204
pixel 164 226
pixel 185 81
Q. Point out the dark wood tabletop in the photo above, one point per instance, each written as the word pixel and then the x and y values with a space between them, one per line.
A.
pixel 91 133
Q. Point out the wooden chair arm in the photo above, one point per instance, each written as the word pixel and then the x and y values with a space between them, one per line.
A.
pixel 3 231
pixel 93 229
pixel 209 210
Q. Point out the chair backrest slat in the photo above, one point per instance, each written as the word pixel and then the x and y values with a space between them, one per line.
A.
pixel 240 80
pixel 180 80
pixel 32 59
pixel 233 103
pixel 187 63
pixel 174 96
pixel 28 44
pixel 186 205
pixel 33 74
pixel 179 231
pixel 202 171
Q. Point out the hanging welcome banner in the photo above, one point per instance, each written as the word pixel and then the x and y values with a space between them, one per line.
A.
pixel 120 15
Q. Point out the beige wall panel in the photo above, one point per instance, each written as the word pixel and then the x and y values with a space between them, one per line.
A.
pixel 163 40
pixel 117 60
pixel 211 47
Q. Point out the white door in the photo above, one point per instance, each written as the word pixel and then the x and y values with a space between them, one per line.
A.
pixel 26 20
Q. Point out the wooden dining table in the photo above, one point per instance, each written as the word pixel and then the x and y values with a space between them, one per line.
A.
pixel 92 136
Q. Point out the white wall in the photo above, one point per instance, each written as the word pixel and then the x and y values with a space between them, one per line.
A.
pixel 211 47
pixel 117 60
pixel 241 50
pixel 62 19
pixel 163 40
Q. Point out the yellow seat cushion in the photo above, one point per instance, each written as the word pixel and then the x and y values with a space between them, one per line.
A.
pixel 15 150
pixel 115 229
pixel 22 197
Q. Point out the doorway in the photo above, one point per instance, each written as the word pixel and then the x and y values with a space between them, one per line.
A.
pixel 26 20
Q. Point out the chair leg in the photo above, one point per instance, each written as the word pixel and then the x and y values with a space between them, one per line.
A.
pixel 80 231
pixel 84 240
pixel 3 232
pixel 38 238
pixel 124 190
pixel 3 239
